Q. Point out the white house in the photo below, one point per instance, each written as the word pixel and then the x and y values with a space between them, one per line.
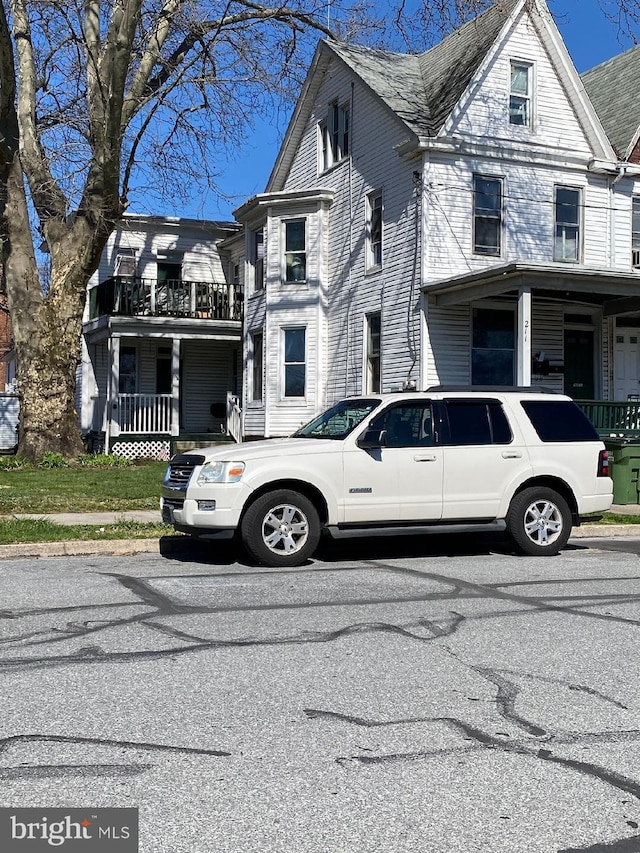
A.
pixel 162 337
pixel 466 216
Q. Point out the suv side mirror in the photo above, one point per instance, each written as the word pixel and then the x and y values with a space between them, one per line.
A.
pixel 372 438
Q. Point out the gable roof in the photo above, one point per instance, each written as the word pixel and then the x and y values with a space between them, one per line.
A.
pixel 613 90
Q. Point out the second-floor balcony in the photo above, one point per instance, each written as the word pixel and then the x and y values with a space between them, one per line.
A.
pixel 138 297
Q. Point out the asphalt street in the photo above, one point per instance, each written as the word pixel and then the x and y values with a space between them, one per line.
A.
pixel 399 696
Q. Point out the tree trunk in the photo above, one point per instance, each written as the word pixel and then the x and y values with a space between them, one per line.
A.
pixel 47 365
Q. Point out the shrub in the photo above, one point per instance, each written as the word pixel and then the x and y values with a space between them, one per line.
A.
pixel 53 460
pixel 12 463
pixel 104 460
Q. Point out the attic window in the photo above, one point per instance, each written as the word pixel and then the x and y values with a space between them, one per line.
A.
pixel 520 94
pixel 334 135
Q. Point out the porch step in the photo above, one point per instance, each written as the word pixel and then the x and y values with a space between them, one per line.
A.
pixel 182 443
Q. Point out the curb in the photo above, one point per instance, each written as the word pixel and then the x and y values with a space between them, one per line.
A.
pixel 179 544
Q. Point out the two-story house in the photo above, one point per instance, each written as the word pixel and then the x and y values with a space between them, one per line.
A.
pixel 465 216
pixel 162 339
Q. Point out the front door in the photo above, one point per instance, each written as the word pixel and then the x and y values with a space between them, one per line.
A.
pixel 626 364
pixel 579 376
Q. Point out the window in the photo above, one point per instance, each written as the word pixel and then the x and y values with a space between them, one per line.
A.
pixel 373 353
pixel 334 134
pixel 493 347
pixel 559 420
pixel 635 232
pixel 487 215
pixel 295 249
pixel 406 425
pixel 169 268
pixel 338 421
pixel 477 422
pixel 257 366
pixel 257 258
pixel 374 230
pixel 520 94
pixel 125 265
pixel 567 223
pixel 294 363
pixel 163 370
pixel 128 377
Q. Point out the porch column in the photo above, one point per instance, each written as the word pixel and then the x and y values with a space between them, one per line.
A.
pixel 175 387
pixel 113 385
pixel 523 345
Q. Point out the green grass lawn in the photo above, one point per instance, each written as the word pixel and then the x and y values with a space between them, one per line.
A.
pixel 81 489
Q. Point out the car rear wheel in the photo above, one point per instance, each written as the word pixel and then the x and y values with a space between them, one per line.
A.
pixel 281 528
pixel 539 521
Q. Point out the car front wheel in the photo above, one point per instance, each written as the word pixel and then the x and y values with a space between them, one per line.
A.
pixel 539 521
pixel 280 529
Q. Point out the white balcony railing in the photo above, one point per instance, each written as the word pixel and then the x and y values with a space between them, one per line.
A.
pixel 144 413
pixel 234 417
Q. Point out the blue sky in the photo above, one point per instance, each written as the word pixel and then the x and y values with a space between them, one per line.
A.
pixel 590 39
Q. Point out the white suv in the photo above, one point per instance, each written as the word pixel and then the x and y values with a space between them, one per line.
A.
pixel 441 461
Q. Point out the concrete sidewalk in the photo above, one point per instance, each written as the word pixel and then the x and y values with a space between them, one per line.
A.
pixel 177 543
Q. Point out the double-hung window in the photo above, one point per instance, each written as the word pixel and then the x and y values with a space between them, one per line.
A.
pixel 373 353
pixel 635 232
pixel 334 133
pixel 567 224
pixel 294 362
pixel 487 215
pixel 257 365
pixel 520 94
pixel 257 258
pixel 295 250
pixel 374 231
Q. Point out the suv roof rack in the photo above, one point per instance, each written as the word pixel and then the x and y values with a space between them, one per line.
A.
pixel 520 389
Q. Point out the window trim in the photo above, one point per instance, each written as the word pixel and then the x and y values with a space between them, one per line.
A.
pixel 257 262
pixel 487 216
pixel 334 135
pixel 285 252
pixel 372 263
pixel 284 397
pixel 526 98
pixel 253 398
pixel 370 353
pixel 635 234
pixel 578 225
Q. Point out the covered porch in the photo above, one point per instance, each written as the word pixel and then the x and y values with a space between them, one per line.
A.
pixel 574 330
pixel 161 387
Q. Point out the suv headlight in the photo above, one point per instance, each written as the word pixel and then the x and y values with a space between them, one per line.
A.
pixel 220 472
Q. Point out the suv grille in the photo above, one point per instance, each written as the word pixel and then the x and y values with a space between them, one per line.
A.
pixel 180 471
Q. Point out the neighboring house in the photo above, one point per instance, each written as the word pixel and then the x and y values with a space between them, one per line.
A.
pixel 162 342
pixel 464 216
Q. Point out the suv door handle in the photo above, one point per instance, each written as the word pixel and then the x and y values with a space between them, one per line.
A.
pixel 431 458
pixel 511 454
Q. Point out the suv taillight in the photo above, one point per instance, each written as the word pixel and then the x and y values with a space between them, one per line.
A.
pixel 603 464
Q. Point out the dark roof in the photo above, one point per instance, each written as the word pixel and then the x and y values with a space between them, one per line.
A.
pixel 614 90
pixel 423 89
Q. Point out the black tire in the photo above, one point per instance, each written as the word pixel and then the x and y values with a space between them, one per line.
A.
pixel 280 529
pixel 539 521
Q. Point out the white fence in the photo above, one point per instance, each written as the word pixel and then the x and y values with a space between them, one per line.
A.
pixel 144 413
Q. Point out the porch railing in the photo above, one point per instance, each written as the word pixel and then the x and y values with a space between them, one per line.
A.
pixel 136 297
pixel 234 417
pixel 613 417
pixel 144 413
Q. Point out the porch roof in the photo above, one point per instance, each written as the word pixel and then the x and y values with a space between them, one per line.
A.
pixel 162 327
pixel 617 292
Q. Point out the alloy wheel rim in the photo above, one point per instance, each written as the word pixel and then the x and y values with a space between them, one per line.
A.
pixel 543 523
pixel 285 529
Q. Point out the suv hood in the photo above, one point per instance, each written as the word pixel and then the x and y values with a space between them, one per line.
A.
pixel 262 449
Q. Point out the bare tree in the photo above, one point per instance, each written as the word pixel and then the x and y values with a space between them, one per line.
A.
pixel 97 98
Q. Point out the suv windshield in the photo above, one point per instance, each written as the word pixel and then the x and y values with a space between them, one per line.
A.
pixel 338 421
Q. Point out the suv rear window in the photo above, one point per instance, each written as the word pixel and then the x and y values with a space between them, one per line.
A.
pixel 559 420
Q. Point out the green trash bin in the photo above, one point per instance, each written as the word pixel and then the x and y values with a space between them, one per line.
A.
pixel 624 462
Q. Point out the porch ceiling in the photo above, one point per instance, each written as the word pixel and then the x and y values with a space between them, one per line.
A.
pixel 597 285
